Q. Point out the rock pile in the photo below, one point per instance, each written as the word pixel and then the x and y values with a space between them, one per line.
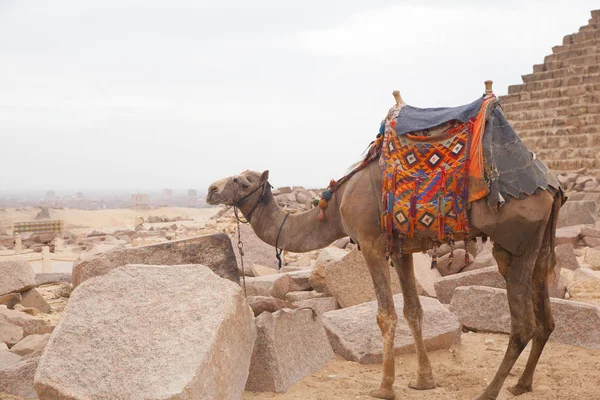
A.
pixel 26 321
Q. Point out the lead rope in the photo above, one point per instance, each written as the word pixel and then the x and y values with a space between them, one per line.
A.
pixel 240 247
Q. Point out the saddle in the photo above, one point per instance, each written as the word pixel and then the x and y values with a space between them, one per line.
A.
pixel 435 161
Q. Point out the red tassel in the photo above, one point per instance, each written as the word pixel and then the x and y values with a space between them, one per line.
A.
pixel 321 216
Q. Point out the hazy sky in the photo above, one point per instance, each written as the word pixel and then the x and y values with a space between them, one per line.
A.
pixel 145 94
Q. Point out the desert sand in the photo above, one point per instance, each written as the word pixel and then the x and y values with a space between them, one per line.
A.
pixel 564 373
pixel 112 218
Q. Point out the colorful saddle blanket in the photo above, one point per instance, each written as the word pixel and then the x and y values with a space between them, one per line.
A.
pixel 429 175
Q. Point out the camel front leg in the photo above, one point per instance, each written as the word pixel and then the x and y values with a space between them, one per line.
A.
pixel 386 319
pixel 413 312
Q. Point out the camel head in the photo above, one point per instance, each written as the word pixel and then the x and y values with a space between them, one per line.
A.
pixel 238 190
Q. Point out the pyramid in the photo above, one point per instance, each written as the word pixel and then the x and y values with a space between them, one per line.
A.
pixel 556 110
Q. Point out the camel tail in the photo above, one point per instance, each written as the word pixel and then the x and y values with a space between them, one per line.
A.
pixel 559 200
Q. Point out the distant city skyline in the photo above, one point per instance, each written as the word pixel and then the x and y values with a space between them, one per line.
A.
pixel 127 95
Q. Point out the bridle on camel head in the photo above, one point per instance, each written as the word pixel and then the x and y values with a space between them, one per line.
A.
pixel 236 205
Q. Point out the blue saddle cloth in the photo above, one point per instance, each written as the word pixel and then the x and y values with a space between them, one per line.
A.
pixel 411 119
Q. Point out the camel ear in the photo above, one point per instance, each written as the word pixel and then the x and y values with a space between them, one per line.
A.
pixel 264 176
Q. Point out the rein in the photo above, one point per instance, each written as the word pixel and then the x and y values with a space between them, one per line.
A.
pixel 236 205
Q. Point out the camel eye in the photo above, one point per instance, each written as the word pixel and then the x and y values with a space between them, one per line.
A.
pixel 245 185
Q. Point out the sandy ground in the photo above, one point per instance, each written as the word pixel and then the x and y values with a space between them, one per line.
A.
pixel 114 218
pixel 564 373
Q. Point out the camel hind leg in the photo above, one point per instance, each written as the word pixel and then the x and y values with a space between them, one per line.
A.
pixel 413 312
pixel 544 266
pixel 519 275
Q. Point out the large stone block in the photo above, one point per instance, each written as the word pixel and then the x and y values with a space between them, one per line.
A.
pixel 214 251
pixel 261 304
pixel 38 324
pixel 255 250
pixel 565 256
pixel 32 298
pixel 485 309
pixel 291 344
pixel 448 266
pixel 350 282
pixel 577 212
pixel 354 333
pixel 319 306
pixel 18 378
pixel 8 359
pixel 10 334
pixel 568 234
pixel 151 332
pixel 53 277
pixel 444 287
pixel 30 344
pixel 16 276
pixel 424 274
pixel 262 285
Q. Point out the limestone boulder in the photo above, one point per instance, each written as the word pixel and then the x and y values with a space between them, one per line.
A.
pixel 585 286
pixel 304 295
pixel 424 274
pixel 565 256
pixel 18 378
pixel 259 270
pixel 261 304
pixel 318 305
pixel 444 287
pixel 31 324
pixel 485 309
pixel 591 241
pixel 330 254
pixel 317 279
pixel 10 334
pixel 32 298
pixel 260 285
pixel 255 250
pixel 30 344
pixel 568 234
pixel 590 231
pixel 447 266
pixel 592 258
pixel 291 344
pixel 289 283
pixel 214 251
pixel 8 359
pixel 183 332
pixel 577 212
pixel 17 276
pixel 355 336
pixel 482 260
pixel 9 300
pixel 53 277
pixel 350 282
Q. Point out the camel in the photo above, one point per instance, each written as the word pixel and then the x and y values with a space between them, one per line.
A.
pixel 523 233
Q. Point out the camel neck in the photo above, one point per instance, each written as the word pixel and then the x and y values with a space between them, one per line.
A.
pixel 301 232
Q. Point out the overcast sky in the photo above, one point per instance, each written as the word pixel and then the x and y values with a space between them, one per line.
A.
pixel 124 94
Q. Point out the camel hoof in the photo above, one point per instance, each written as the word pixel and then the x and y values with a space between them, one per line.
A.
pixel 485 397
pixel 519 389
pixel 383 393
pixel 423 383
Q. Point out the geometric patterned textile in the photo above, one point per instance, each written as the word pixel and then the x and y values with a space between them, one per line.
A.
pixel 425 180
